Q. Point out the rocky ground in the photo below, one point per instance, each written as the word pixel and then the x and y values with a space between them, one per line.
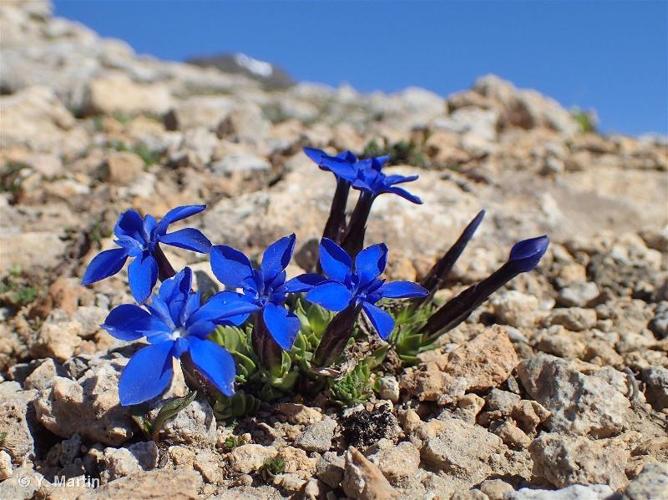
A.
pixel 557 388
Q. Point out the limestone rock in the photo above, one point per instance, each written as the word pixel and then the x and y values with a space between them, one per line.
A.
pixel 15 421
pixel 581 403
pixel 88 406
pixel 651 483
pixel 483 363
pixel 194 425
pixel 362 480
pixel 564 461
pixel 250 457
pixel 177 483
pixel 461 449
pixel 575 492
pixel 318 436
pixel 117 93
pixel 121 462
pixel 399 463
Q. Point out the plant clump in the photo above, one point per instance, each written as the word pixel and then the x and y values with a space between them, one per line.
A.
pixel 266 336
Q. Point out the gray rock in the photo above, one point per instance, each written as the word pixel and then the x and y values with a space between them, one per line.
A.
pixel 389 388
pixel 651 483
pixel 5 465
pixel 194 425
pixel 240 163
pixel 22 485
pixel 656 390
pixel 121 462
pixel 16 419
pixel 362 480
pixel 318 436
pixel 565 460
pixel 250 457
pixel 659 324
pixel 580 403
pixel 578 294
pixel 175 483
pixel 399 463
pixel 87 406
pixel 575 492
pixel 462 449
pixel 515 308
pixel 576 319
pixel 329 469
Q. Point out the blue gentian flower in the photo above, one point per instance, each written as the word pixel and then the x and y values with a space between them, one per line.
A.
pixel 265 286
pixel 343 165
pixel 359 286
pixel 139 238
pixel 175 324
pixel 344 168
pixel 370 179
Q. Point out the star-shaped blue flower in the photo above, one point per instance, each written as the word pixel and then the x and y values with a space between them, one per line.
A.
pixel 138 238
pixel 359 286
pixel 370 179
pixel 265 286
pixel 175 323
pixel 343 165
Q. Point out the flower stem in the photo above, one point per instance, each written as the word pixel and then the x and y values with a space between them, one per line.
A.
pixel 456 310
pixel 336 336
pixel 265 347
pixel 335 225
pixel 165 269
pixel 353 241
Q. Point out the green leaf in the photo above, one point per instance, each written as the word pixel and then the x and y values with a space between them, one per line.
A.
pixel 169 410
pixel 354 387
pixel 239 405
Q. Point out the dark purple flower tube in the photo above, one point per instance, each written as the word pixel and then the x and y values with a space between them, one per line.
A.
pixel 353 241
pixel 336 222
pixel 336 336
pixel 524 256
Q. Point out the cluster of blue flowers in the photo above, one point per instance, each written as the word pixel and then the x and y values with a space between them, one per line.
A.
pixel 176 324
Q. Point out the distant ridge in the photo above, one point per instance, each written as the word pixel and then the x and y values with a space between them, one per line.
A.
pixel 270 75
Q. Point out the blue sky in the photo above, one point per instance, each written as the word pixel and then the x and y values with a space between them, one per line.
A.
pixel 608 55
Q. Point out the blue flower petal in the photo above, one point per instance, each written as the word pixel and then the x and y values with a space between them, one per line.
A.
pixel 215 363
pixel 147 374
pixel 402 290
pixel 148 227
pixel 303 283
pixel 382 322
pixel 283 326
pixel 223 306
pixel 526 254
pixel 104 265
pixel 188 238
pixel 192 304
pixel 142 275
pixel 130 224
pixel 176 214
pixel 131 322
pixel 405 194
pixel 201 329
pixel 277 257
pixel 370 263
pixel 391 180
pixel 330 295
pixel 231 267
pixel 132 246
pixel 334 260
pixel 315 154
pixel 160 309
